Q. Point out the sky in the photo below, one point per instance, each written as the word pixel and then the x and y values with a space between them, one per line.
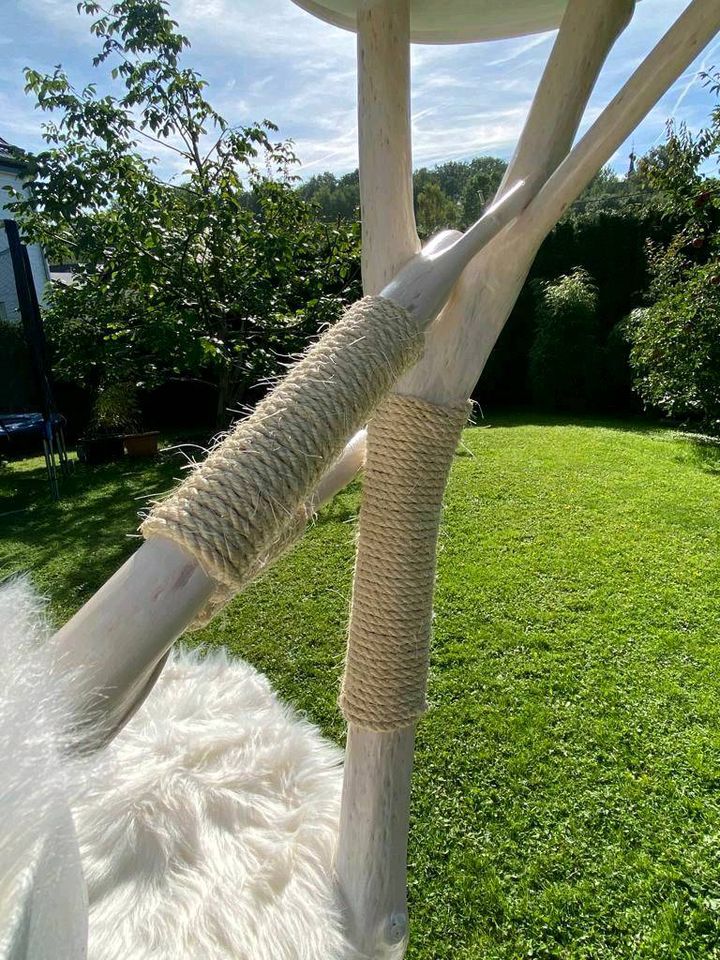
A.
pixel 270 59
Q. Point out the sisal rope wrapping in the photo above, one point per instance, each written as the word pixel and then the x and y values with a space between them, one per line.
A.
pixel 244 504
pixel 409 451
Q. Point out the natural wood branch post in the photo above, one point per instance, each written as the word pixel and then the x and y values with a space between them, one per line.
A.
pixel 371 860
pixel 372 846
pixel 389 237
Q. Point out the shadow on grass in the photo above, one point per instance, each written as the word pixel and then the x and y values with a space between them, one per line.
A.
pixel 343 508
pixel 73 546
pixel 98 517
pixel 704 452
pixel 535 418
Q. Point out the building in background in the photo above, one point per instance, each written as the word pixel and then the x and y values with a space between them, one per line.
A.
pixel 19 391
pixel 11 166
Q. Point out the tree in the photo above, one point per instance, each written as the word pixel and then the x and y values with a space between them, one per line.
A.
pixel 480 187
pixel 451 194
pixel 219 272
pixel 675 340
pixel 338 198
pixel 434 210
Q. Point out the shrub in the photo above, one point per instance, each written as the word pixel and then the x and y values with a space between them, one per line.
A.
pixel 675 341
pixel 675 351
pixel 565 355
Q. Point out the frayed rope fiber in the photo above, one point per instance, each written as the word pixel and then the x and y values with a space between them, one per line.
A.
pixel 409 452
pixel 243 505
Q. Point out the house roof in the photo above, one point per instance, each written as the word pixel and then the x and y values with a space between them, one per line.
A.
pixel 63 273
pixel 10 156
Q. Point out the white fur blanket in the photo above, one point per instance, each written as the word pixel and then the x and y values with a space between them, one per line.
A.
pixel 206 829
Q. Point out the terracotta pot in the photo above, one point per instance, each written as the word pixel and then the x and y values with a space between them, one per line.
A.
pixel 142 444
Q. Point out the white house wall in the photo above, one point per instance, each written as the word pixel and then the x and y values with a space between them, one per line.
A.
pixel 38 264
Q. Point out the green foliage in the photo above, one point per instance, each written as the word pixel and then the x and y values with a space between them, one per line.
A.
pixel 565 788
pixel 605 232
pixel 336 198
pixel 609 240
pixel 676 348
pixel 565 356
pixel 434 210
pixel 454 194
pixel 220 273
pixel 675 352
pixel 480 188
pixel 616 386
pixel 451 194
pixel 116 410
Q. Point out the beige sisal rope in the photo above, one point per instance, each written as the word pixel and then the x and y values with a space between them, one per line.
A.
pixel 244 504
pixel 409 452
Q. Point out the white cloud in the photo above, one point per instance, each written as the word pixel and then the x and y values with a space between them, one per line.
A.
pixel 520 49
pixel 270 59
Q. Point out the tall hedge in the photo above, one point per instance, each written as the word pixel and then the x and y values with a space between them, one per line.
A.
pixel 565 357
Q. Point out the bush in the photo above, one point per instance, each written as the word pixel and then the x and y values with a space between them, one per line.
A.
pixel 675 341
pixel 676 349
pixel 565 356
pixel 115 410
pixel 617 386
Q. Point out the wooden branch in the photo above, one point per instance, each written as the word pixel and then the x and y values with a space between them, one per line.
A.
pixel 117 656
pixel 686 38
pixel 389 237
pixel 372 848
pixel 371 860
pixel 461 339
pixel 115 644
pixel 374 821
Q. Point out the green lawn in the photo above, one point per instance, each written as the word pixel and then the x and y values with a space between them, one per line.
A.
pixel 568 773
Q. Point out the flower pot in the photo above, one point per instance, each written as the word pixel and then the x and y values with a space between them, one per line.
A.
pixel 142 444
pixel 94 450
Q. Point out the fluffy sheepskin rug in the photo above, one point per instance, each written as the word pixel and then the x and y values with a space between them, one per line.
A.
pixel 207 833
pixel 208 826
pixel 43 906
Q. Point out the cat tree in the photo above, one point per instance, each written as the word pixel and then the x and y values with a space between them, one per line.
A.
pixel 414 348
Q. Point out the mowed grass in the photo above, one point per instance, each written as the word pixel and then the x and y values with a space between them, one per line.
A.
pixel 565 798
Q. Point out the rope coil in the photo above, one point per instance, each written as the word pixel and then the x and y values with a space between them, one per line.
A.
pixel 244 504
pixel 409 452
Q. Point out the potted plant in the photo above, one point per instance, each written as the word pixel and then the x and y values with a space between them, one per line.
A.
pixel 115 412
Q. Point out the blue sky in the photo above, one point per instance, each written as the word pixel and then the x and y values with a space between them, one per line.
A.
pixel 268 58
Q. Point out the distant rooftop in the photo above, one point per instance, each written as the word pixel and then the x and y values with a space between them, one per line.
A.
pixel 10 156
pixel 62 273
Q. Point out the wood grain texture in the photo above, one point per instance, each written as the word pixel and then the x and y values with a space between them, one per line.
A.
pixel 371 861
pixel 389 237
